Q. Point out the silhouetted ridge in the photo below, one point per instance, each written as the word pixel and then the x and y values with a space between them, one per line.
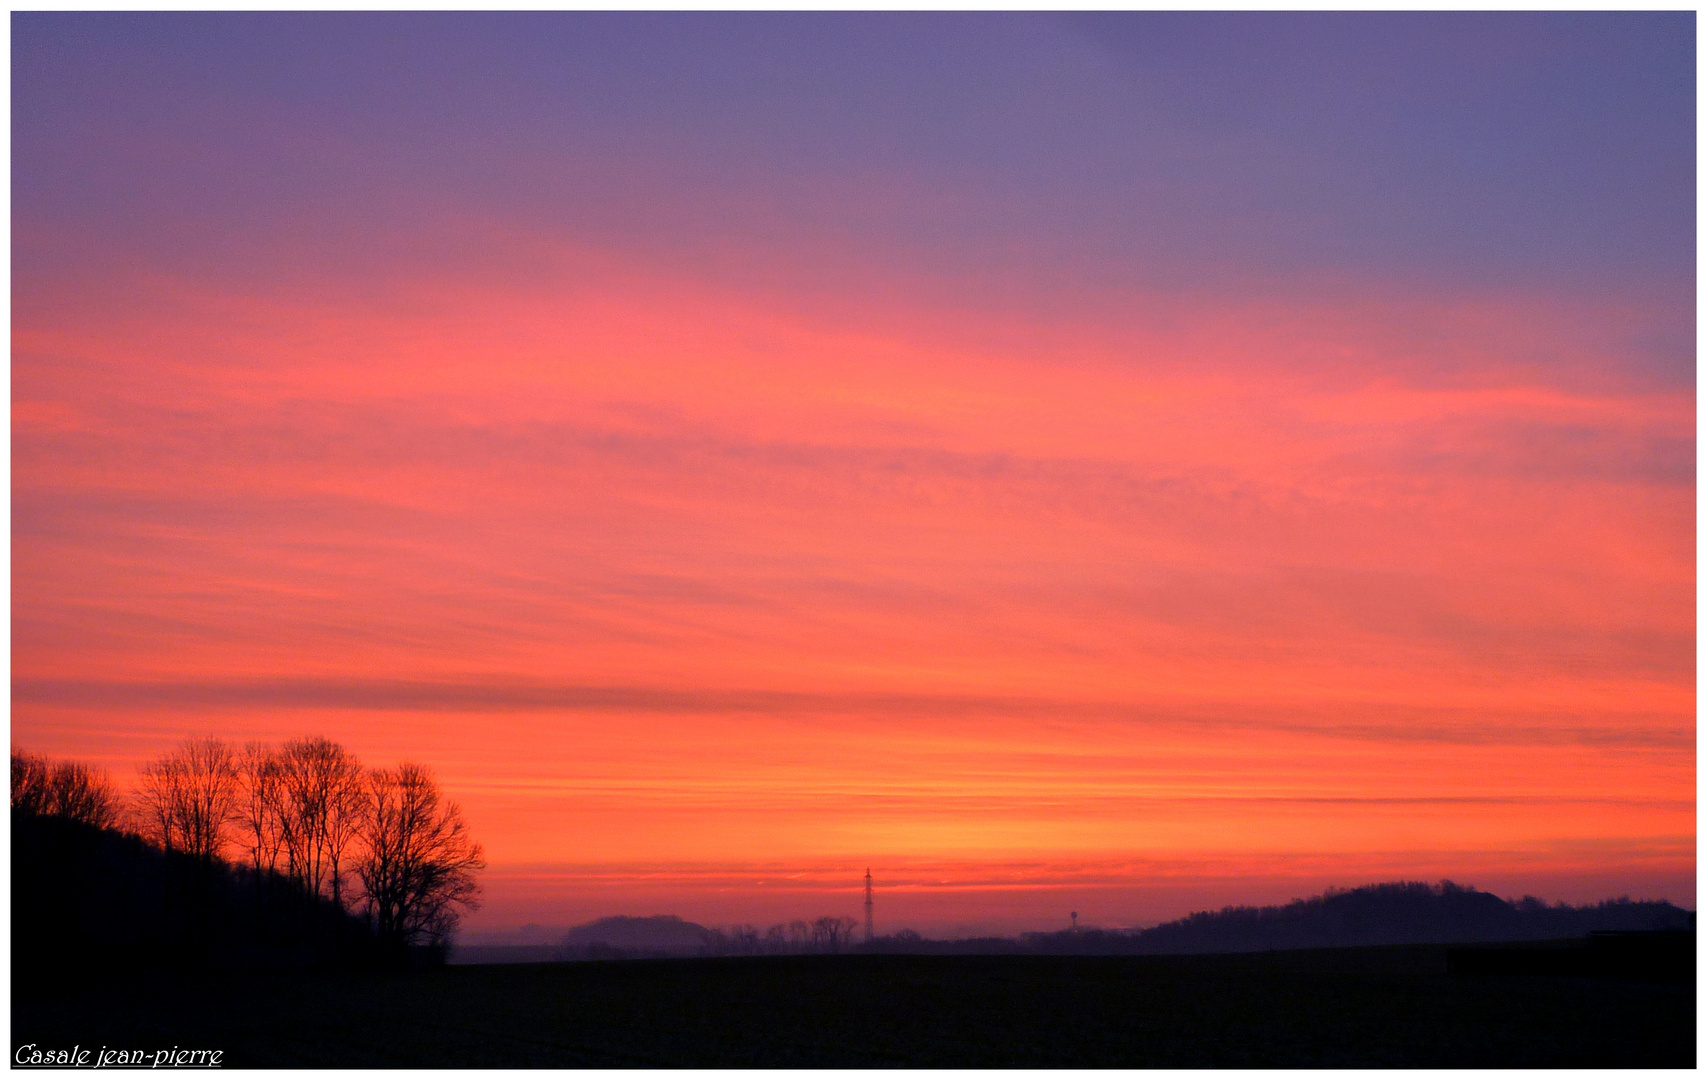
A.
pixel 631 937
pixel 85 897
pixel 319 830
pixel 1395 913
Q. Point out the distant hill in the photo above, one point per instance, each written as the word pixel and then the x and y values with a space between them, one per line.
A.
pixel 1395 913
pixel 626 936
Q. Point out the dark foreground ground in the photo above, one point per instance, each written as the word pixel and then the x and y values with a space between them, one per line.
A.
pixel 1386 1006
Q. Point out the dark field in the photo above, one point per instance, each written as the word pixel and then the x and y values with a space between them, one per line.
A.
pixel 1387 1006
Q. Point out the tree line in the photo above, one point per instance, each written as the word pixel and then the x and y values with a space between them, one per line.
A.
pixel 383 843
pixel 65 789
pixel 829 933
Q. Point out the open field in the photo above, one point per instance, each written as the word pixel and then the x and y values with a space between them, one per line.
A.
pixel 1389 1006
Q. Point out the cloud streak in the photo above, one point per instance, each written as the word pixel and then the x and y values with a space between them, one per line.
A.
pixel 1379 722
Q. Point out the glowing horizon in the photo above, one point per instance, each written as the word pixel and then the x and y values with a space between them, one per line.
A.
pixel 719 506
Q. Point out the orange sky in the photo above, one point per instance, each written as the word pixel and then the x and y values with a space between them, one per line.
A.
pixel 719 512
pixel 659 576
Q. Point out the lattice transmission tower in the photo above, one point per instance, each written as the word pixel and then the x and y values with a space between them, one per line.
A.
pixel 868 904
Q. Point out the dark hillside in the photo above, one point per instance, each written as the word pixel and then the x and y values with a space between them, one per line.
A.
pixel 1397 913
pixel 91 898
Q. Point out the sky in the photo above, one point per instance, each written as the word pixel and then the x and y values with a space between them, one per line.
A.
pixel 1116 463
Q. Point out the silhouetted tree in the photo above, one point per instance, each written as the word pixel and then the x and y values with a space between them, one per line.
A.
pixel 419 862
pixel 321 797
pixel 260 811
pixel 830 933
pixel 84 794
pixel 67 789
pixel 826 934
pixel 742 940
pixel 347 803
pixel 31 783
pixel 188 798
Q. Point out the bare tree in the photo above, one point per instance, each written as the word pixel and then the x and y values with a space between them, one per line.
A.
pixel 830 933
pixel 302 797
pixel 346 804
pixel 319 794
pixel 32 784
pixel 158 801
pixel 419 862
pixel 301 775
pixel 742 939
pixel 258 810
pixel 84 794
pixel 189 796
pixel 68 789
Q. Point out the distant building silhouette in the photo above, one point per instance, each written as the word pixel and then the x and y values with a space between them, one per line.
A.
pixel 868 933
